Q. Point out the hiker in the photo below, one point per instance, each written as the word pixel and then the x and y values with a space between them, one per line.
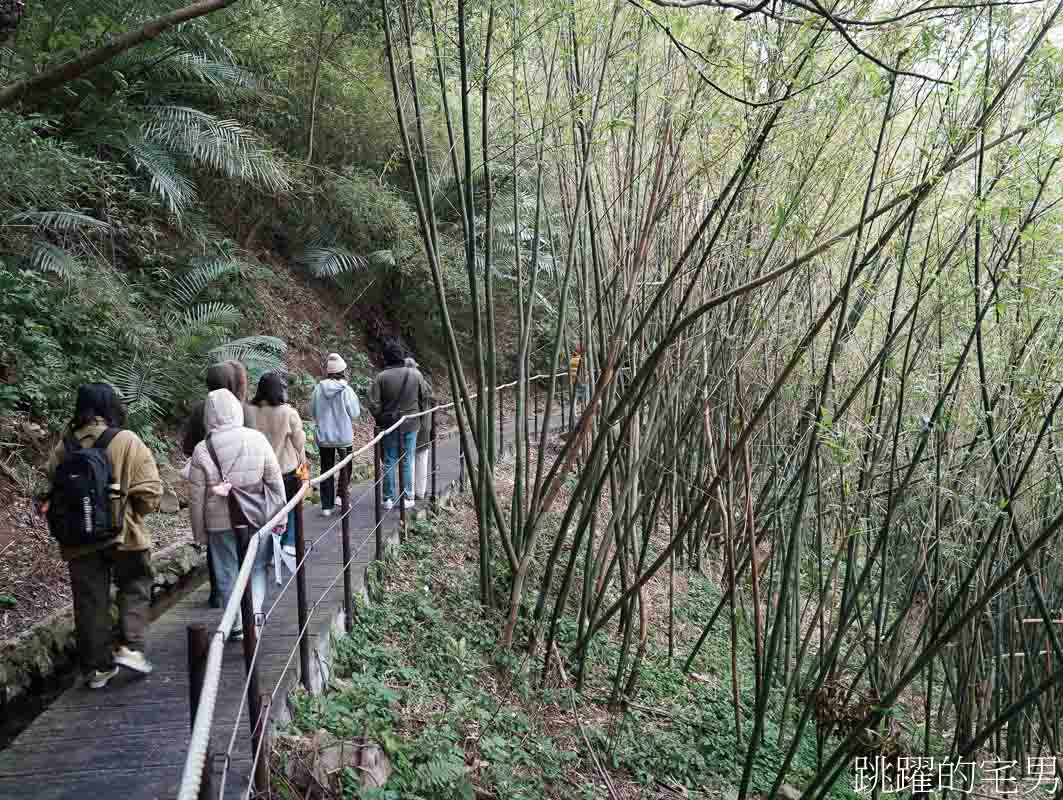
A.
pixel 280 423
pixel 335 407
pixel 398 391
pixel 424 438
pixel 578 388
pixel 229 375
pixel 99 418
pixel 243 458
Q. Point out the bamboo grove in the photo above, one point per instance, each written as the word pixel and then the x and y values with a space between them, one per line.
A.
pixel 812 252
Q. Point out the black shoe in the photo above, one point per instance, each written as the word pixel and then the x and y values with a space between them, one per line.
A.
pixel 214 601
pixel 236 636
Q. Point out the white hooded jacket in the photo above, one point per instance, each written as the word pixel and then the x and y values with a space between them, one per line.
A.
pixel 246 457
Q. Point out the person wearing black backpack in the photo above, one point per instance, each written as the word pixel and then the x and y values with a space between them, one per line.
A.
pixel 398 391
pixel 104 482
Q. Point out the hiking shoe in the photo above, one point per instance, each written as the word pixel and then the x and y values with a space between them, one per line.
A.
pixel 132 659
pixel 99 678
pixel 388 505
pixel 408 503
pixel 326 512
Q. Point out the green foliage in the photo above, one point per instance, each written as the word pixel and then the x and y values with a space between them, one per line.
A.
pixel 49 343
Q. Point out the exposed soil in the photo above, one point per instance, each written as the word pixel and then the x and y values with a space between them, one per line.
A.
pixel 31 570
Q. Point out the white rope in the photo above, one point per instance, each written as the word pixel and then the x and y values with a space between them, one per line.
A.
pixel 195 760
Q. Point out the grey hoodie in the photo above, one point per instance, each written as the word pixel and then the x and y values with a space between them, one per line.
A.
pixel 334 406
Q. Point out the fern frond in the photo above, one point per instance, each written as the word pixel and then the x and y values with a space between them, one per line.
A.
pixel 175 189
pixel 49 258
pixel 202 68
pixel 62 221
pixel 382 258
pixel 328 262
pixel 143 387
pixel 260 354
pixel 222 145
pixel 203 317
pixel 188 285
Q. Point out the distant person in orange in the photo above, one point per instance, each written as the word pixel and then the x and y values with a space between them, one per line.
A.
pixel 579 389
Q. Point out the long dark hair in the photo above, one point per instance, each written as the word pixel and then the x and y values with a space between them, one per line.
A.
pixel 98 400
pixel 271 390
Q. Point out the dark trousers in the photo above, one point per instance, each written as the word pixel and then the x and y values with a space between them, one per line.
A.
pixel 329 457
pixel 90 580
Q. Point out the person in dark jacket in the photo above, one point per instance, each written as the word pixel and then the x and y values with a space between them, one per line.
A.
pixel 402 390
pixel 229 375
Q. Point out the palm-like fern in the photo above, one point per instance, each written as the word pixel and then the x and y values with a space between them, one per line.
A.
pixel 49 258
pixel 260 354
pixel 222 145
pixel 331 261
pixel 188 286
pixel 145 388
pixel 202 319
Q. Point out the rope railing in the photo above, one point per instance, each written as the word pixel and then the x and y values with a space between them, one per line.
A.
pixel 205 696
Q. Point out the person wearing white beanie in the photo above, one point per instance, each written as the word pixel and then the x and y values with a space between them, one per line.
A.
pixel 335 407
pixel 335 365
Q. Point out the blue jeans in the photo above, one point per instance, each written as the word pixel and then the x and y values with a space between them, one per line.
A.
pixel 288 537
pixel 391 444
pixel 227 566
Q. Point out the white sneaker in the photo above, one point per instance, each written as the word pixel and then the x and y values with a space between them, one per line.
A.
pixel 408 503
pixel 388 505
pixel 99 678
pixel 326 512
pixel 132 659
pixel 289 549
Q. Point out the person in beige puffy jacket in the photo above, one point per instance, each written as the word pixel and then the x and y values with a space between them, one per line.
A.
pixel 246 458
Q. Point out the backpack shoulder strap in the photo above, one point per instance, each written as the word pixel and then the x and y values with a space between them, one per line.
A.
pixel 106 438
pixel 214 456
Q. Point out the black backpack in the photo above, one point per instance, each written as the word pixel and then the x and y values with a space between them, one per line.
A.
pixel 79 507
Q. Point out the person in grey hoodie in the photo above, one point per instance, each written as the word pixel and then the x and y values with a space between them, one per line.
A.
pixel 334 406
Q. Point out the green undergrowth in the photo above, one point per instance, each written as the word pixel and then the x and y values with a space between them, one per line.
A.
pixel 423 674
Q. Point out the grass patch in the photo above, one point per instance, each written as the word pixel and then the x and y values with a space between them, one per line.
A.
pixel 423 675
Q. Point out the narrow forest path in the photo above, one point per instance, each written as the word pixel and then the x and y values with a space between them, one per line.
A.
pixel 130 739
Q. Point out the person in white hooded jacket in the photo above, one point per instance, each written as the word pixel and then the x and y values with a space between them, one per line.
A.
pixel 246 458
pixel 335 407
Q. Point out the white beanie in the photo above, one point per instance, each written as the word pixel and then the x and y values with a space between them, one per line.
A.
pixel 334 364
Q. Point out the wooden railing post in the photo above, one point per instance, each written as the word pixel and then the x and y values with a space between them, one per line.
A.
pixel 198 645
pixel 378 500
pixel 345 528
pixel 432 435
pixel 254 698
pixel 301 598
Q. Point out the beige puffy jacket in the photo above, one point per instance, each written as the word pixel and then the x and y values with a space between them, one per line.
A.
pixel 246 458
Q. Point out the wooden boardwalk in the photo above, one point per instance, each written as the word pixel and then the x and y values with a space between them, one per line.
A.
pixel 129 740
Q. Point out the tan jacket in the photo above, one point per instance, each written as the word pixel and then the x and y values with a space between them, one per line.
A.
pixel 246 458
pixel 283 427
pixel 135 470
